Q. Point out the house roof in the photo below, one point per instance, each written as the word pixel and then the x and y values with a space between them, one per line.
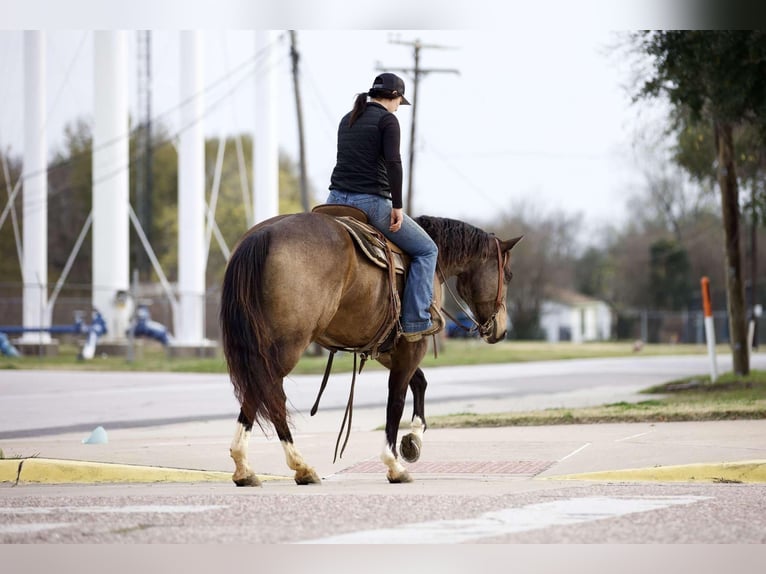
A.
pixel 569 297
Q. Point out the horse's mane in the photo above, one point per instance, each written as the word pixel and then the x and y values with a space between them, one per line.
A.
pixel 456 240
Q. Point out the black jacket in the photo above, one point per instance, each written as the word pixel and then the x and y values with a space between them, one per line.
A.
pixel 368 158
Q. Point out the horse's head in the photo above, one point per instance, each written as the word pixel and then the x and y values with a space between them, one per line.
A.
pixel 484 286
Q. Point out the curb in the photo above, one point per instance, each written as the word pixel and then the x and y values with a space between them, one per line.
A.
pixel 750 471
pixel 53 471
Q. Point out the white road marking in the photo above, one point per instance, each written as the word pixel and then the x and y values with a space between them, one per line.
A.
pixel 633 436
pixel 575 451
pixel 509 520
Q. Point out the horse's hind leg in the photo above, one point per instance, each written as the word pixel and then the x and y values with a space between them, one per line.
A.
pixel 304 474
pixel 243 474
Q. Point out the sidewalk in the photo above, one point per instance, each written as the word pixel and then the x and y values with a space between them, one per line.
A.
pixel 525 453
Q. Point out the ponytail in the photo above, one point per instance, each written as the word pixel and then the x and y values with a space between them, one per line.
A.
pixel 360 103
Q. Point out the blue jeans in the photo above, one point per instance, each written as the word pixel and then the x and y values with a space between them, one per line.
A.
pixel 413 240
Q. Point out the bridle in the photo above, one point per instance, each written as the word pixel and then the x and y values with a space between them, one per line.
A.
pixel 485 327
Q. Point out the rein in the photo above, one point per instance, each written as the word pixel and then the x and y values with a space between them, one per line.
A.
pixel 346 424
pixel 482 328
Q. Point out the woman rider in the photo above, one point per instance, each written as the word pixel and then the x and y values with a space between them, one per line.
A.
pixel 368 175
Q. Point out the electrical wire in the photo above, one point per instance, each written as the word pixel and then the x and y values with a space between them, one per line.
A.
pixel 208 110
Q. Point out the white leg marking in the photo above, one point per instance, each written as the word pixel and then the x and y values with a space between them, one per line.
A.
pixel 395 468
pixel 238 451
pixel 416 427
pixel 239 443
pixel 294 458
pixel 304 474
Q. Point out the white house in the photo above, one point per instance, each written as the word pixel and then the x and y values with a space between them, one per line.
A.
pixel 571 316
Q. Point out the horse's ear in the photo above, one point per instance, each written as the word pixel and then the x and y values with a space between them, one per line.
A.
pixel 510 243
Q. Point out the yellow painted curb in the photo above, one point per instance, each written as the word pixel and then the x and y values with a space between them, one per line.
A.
pixel 52 471
pixel 745 471
pixel 9 469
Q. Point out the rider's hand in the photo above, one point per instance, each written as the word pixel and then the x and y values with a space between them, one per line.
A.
pixel 397 216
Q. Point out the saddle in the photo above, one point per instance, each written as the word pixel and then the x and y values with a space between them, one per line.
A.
pixel 383 253
pixel 371 242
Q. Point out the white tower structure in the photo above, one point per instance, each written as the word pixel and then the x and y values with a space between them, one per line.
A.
pixel 265 146
pixel 189 320
pixel 35 205
pixel 110 181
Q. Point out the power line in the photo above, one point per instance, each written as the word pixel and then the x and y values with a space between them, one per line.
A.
pixel 416 72
pixel 209 108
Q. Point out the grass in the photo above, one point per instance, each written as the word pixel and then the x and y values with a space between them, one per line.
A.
pixel 16 456
pixel 731 397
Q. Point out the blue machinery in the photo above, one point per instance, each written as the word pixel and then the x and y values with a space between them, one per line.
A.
pixel 92 332
pixel 142 326
pixel 145 327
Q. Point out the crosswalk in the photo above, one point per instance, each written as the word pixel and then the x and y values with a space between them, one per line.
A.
pixel 508 521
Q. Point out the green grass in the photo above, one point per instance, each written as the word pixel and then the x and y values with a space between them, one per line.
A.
pixel 731 397
pixel 151 356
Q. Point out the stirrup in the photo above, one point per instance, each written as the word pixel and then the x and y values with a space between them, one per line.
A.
pixel 437 324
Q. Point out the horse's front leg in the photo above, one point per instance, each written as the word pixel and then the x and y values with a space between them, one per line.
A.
pixel 412 443
pixel 397 393
pixel 243 474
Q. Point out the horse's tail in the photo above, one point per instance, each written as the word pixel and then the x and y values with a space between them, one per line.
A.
pixel 250 353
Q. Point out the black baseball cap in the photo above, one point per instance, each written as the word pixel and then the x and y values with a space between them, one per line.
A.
pixel 391 83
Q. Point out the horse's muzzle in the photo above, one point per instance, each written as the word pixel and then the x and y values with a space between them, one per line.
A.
pixel 493 331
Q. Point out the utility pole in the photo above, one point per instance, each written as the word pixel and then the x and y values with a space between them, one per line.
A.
pixel 416 72
pixel 301 147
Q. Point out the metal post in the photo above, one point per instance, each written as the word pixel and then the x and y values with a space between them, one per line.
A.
pixel 709 328
pixel 299 112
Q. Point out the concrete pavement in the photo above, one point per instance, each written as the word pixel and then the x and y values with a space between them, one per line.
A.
pixel 719 451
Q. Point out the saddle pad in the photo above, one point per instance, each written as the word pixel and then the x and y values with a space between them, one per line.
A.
pixel 370 242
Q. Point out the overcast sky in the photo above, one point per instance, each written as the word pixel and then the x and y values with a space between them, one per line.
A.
pixel 535 115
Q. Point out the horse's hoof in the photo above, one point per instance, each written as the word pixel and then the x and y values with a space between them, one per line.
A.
pixel 410 447
pixel 249 480
pixel 307 477
pixel 401 478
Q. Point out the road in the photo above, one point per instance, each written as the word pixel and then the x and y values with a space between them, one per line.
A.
pixel 50 402
pixel 493 486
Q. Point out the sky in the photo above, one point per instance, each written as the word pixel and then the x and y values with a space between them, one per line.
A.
pixel 527 115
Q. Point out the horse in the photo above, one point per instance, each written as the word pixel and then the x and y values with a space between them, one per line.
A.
pixel 296 279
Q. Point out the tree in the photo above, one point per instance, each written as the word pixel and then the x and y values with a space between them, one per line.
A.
pixel 669 272
pixel 546 260
pixel 70 201
pixel 10 268
pixel 718 77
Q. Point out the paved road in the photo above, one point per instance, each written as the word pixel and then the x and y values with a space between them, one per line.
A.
pixel 510 485
pixel 352 512
pixel 49 402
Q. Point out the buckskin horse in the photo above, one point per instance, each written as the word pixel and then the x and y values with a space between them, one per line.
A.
pixel 301 278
